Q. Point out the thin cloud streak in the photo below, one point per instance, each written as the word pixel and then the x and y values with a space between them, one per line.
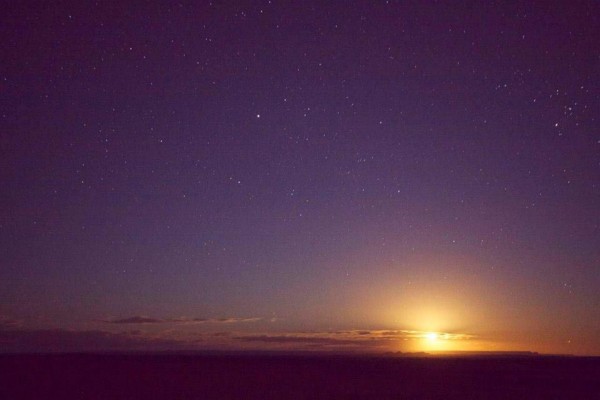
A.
pixel 346 340
pixel 180 320
pixel 383 334
pixel 7 322
pixel 298 340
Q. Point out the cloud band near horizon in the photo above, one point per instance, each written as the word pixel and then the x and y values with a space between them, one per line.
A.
pixel 180 320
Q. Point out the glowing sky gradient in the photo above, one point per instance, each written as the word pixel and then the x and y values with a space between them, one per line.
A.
pixel 363 176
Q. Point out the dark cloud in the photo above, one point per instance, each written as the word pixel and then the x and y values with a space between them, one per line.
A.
pixel 221 334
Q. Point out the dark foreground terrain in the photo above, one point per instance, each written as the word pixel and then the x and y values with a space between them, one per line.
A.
pixel 97 376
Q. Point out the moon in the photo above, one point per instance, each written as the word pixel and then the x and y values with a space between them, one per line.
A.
pixel 432 336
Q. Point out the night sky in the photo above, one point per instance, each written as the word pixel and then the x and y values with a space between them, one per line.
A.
pixel 349 176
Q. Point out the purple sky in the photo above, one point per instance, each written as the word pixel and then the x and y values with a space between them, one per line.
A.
pixel 225 174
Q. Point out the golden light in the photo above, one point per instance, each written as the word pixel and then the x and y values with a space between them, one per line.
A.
pixel 435 341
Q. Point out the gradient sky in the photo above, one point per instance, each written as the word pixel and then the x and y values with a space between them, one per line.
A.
pixel 359 176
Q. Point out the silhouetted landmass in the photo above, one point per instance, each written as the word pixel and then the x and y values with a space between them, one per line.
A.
pixel 308 376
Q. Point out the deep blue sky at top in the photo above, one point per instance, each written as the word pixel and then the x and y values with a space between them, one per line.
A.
pixel 278 158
